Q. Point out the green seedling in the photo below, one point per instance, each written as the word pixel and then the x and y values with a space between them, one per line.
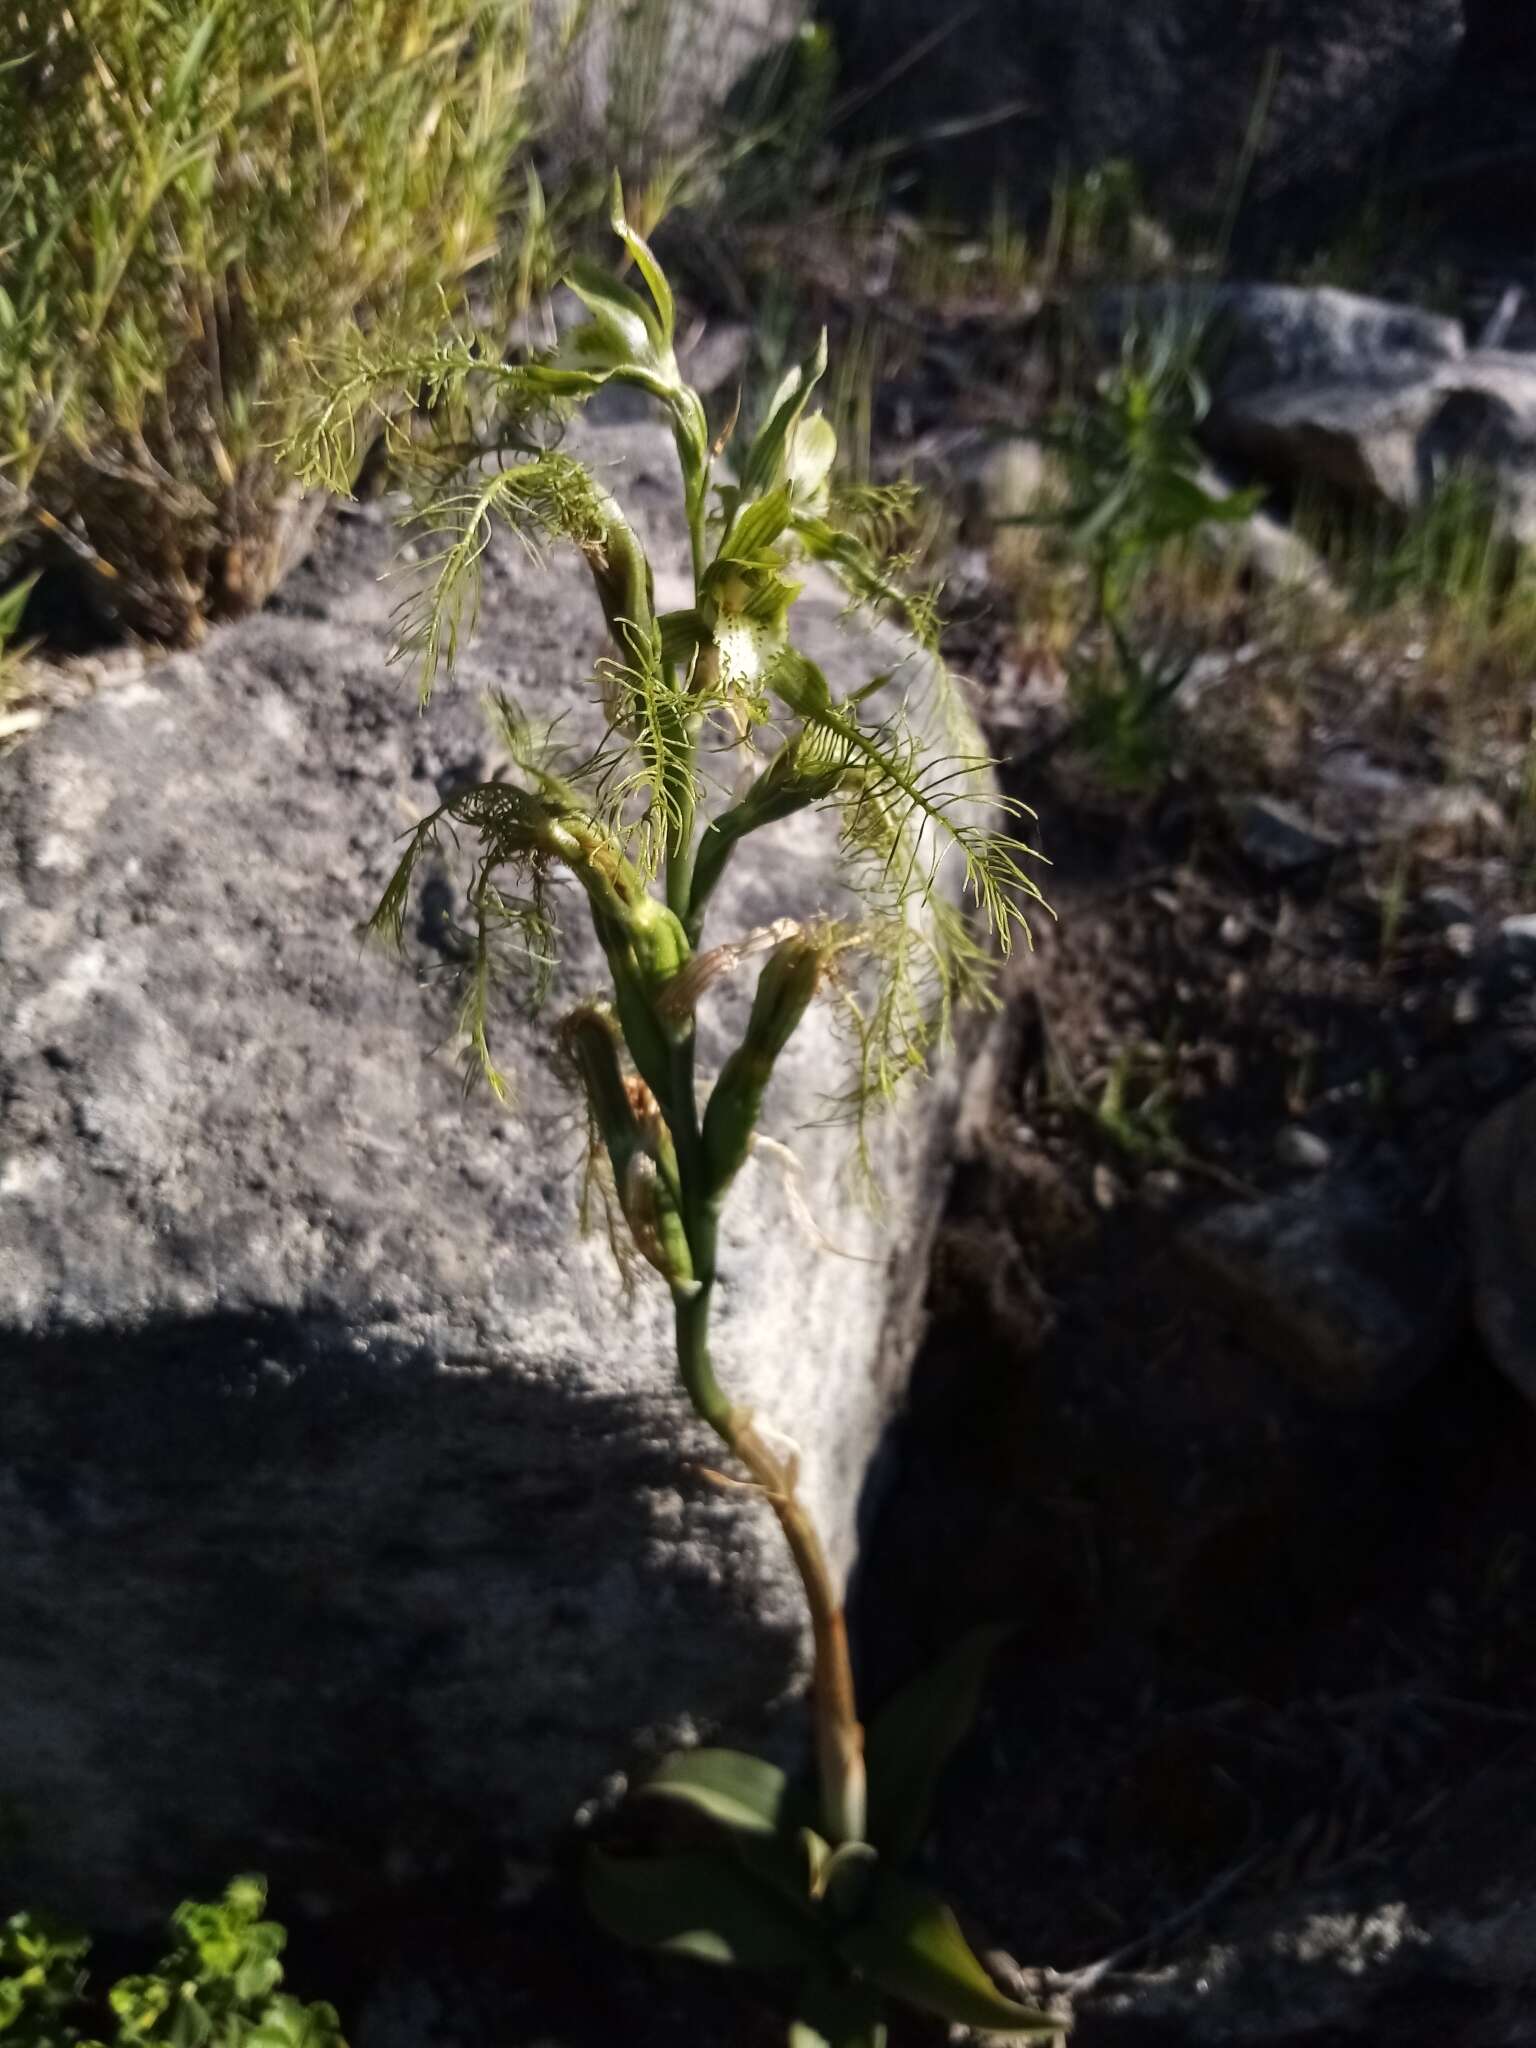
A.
pixel 1137 1118
pixel 716 693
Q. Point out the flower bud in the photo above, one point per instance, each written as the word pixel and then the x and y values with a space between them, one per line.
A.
pixel 621 573
pixel 592 1039
pixel 651 1211
pixel 784 990
pixel 628 1119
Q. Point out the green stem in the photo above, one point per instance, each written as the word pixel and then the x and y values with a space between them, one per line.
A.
pixel 709 1399
pixel 839 1735
pixel 681 849
pixel 697 498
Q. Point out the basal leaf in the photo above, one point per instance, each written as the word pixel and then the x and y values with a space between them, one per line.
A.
pixel 829 2014
pixel 845 1878
pixel 739 1791
pixel 791 1863
pixel 914 1736
pixel 910 1945
pixel 700 1905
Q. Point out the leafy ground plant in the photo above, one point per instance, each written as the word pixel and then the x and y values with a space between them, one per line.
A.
pixel 809 1886
pixel 1135 494
pixel 196 194
pixel 219 1987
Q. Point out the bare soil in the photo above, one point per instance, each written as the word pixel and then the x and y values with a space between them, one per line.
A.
pixel 1265 1640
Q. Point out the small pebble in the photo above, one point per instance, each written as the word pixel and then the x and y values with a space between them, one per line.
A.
pixel 1108 1188
pixel 1460 939
pixel 1277 837
pixel 1234 930
pixel 1467 1009
pixel 1447 907
pixel 1301 1149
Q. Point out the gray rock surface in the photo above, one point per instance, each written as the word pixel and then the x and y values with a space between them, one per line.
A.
pixel 642 85
pixel 1266 551
pixel 1355 1303
pixel 1498 1183
pixel 1382 402
pixel 1277 837
pixel 344 1523
pixel 1280 334
pixel 1428 1942
pixel 1173 88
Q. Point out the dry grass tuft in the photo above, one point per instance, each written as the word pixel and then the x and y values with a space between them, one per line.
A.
pixel 200 195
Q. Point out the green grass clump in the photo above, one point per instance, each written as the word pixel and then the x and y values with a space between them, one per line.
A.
pixel 198 195
pixel 1447 576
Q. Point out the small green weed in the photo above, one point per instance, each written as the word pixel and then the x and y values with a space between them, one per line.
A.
pixel 218 1987
pixel 1135 500
pixel 1134 1111
pixel 1119 707
pixel 1133 466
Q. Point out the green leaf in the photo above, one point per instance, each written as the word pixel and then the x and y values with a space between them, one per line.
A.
pixel 190 69
pixel 623 329
pixel 740 1792
pixel 682 635
pixel 812 452
pixel 801 684
pixel 914 1736
pixel 910 1945
pixel 791 1863
pixel 766 461
pixel 845 1878
pixel 755 528
pixel 829 2014
pixel 645 262
pixel 13 603
pixel 559 380
pixel 286 2023
pixel 705 1906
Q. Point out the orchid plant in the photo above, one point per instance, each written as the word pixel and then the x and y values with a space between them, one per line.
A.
pixel 806 1883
